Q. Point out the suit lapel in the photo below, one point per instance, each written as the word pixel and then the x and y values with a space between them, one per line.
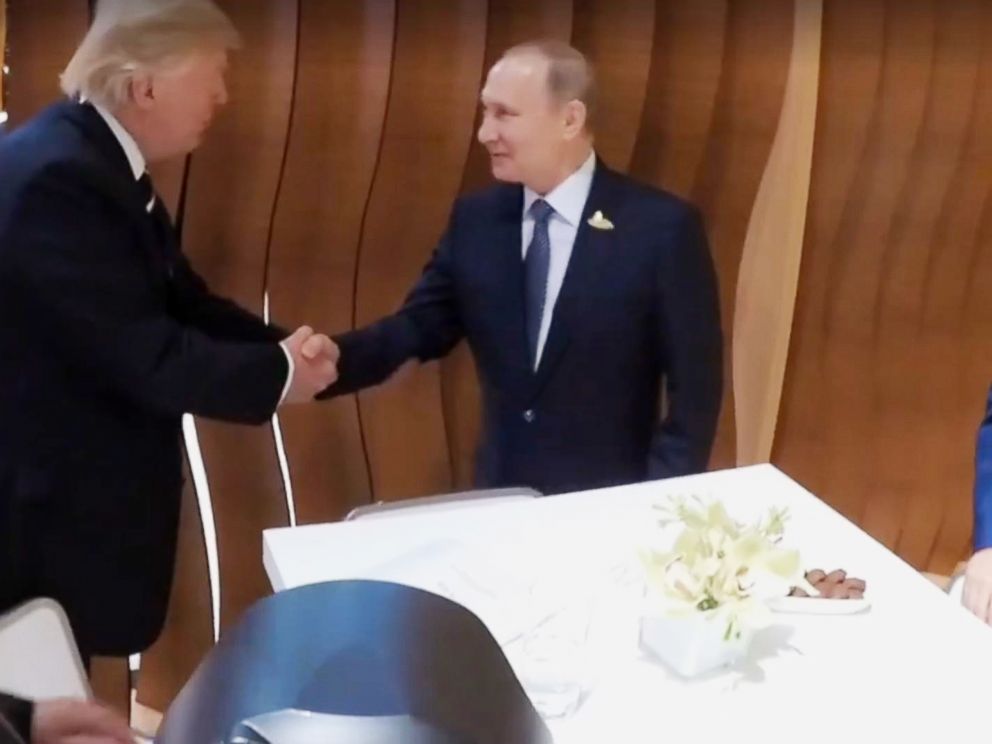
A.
pixel 509 267
pixel 158 237
pixel 591 249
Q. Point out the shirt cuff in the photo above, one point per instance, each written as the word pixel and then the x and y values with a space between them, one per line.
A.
pixel 289 376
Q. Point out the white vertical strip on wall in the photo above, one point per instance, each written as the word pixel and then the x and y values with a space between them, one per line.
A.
pixel 199 474
pixel 287 480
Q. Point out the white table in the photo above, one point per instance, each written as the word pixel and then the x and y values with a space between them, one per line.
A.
pixel 916 667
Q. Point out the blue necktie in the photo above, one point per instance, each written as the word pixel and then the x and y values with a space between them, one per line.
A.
pixel 536 265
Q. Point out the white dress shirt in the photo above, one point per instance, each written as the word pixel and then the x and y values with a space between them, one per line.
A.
pixel 136 160
pixel 568 199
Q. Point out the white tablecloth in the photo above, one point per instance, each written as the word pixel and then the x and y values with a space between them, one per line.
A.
pixel 915 667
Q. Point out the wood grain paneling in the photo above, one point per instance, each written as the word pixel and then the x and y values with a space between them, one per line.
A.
pixel 110 679
pixel 437 71
pixel 342 83
pixel 769 275
pixel 510 22
pixel 708 127
pixel 230 197
pixel 41 38
pixel 904 339
pixel 189 629
pixel 960 315
pixel 887 369
pixel 617 36
pixel 686 66
pixel 806 446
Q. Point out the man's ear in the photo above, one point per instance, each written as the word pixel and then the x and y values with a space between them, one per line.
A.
pixel 142 90
pixel 575 118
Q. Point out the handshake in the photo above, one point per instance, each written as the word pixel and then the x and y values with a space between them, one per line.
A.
pixel 315 364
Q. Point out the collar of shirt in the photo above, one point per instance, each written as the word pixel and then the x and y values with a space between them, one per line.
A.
pixel 568 198
pixel 130 147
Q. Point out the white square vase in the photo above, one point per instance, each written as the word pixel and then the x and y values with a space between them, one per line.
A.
pixel 693 644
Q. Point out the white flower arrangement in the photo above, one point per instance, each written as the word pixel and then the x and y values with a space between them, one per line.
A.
pixel 722 568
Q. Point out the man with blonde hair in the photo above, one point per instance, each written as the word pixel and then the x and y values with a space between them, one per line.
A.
pixel 578 291
pixel 107 334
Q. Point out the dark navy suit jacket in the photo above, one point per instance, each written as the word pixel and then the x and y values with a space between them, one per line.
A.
pixel 107 337
pixel 15 720
pixel 638 305
pixel 983 481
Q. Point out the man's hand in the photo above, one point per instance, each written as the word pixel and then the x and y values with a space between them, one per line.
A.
pixel 319 345
pixel 71 721
pixel 315 359
pixel 978 585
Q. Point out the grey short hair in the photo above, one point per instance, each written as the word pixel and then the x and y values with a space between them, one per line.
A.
pixel 134 36
pixel 571 76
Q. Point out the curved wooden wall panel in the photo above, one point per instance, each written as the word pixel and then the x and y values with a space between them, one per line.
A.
pixel 960 317
pixel 229 202
pixel 342 83
pixel 905 340
pixel 189 630
pixel 510 22
pixel 726 118
pixel 850 72
pixel 437 69
pixel 881 404
pixel 110 680
pixel 617 36
pixel 886 182
pixel 769 271
pixel 683 82
pixel 41 37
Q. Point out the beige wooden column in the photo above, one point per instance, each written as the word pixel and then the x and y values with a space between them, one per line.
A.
pixel 769 272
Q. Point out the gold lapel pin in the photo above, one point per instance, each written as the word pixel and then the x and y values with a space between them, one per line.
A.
pixel 600 222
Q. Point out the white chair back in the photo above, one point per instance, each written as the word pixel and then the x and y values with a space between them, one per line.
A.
pixel 38 655
pixel 441 502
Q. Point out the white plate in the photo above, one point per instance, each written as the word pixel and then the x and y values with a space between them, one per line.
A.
pixel 819 606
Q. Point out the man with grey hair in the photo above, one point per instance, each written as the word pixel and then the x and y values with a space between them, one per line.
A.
pixel 578 291
pixel 107 334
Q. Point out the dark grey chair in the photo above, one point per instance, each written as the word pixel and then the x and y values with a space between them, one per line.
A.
pixel 361 649
pixel 296 727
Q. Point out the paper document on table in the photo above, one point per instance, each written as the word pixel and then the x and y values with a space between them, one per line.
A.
pixel 499 587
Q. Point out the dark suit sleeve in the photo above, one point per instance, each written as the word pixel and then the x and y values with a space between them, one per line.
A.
pixel 83 281
pixel 427 327
pixel 691 345
pixel 15 719
pixel 198 307
pixel 982 535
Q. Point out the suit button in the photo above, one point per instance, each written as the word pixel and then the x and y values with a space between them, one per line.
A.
pixel 529 415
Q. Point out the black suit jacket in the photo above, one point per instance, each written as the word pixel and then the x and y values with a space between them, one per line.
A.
pixel 638 304
pixel 107 337
pixel 15 720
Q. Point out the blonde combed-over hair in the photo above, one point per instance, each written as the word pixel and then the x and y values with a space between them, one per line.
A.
pixel 130 37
